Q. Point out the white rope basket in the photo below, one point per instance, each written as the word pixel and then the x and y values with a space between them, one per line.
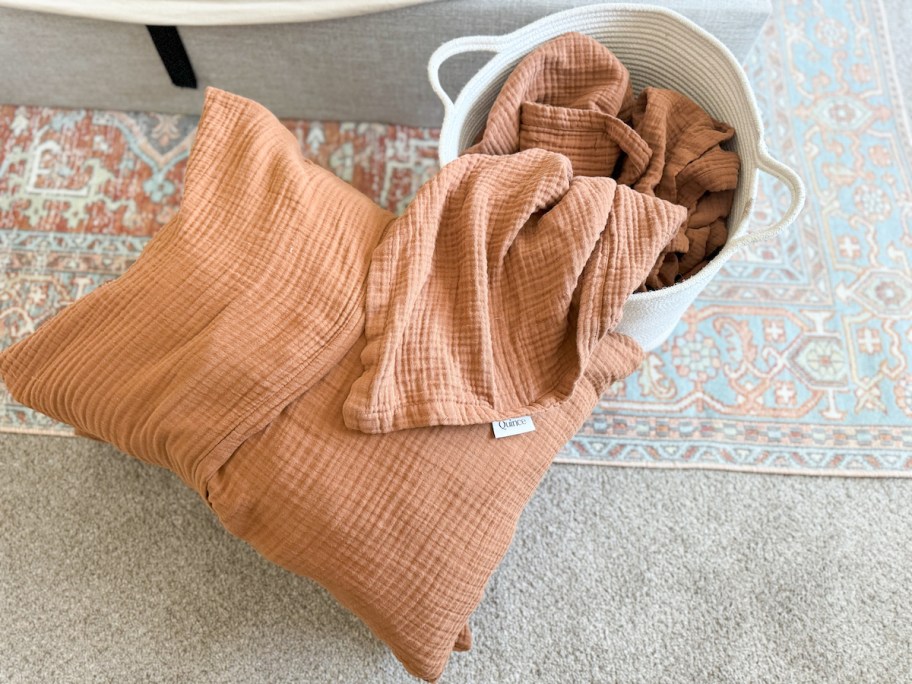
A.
pixel 660 48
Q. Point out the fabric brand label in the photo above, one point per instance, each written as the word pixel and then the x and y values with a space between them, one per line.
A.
pixel 513 426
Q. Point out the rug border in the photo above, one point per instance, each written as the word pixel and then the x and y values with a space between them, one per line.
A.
pixel 746 469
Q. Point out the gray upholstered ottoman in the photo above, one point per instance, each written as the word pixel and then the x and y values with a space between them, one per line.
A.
pixel 363 68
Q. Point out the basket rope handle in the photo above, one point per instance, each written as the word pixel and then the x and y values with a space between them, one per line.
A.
pixel 787 176
pixel 454 47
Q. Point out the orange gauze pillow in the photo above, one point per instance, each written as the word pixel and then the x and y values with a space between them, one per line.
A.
pixel 227 352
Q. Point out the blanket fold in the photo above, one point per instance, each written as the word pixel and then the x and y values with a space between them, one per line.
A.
pixel 594 142
pixel 488 297
pixel 242 330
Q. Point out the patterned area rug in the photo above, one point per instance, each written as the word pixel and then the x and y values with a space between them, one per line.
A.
pixel 795 360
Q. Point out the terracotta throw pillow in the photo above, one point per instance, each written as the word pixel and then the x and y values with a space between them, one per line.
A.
pixel 227 353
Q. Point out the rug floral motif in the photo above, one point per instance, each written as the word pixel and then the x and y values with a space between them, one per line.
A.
pixel 796 359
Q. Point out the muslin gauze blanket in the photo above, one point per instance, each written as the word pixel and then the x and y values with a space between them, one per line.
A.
pixel 572 95
pixel 274 339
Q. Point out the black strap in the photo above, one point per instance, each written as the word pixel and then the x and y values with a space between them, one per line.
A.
pixel 173 55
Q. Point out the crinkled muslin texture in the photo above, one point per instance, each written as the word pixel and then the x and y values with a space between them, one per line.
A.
pixel 570 72
pixel 573 96
pixel 690 168
pixel 227 352
pixel 487 300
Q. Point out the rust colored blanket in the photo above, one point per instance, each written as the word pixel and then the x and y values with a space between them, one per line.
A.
pixel 273 341
pixel 573 96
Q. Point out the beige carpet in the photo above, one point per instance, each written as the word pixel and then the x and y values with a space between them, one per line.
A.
pixel 111 570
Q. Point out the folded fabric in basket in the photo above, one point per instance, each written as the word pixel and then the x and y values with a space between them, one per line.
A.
pixel 227 352
pixel 572 95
